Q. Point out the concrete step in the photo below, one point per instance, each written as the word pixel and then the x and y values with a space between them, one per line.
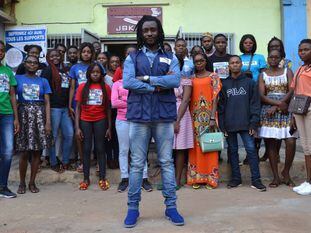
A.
pixel 47 176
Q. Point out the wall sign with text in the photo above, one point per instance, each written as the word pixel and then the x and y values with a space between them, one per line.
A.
pixel 124 19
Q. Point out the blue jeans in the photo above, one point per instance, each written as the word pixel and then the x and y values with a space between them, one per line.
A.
pixel 233 147
pixel 122 128
pixel 140 134
pixel 6 147
pixel 60 119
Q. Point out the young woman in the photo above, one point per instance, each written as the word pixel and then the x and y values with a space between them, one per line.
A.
pixel 253 65
pixel 196 50
pixel 112 147
pixel 302 85
pixel 93 120
pixel 274 88
pixel 103 58
pixel 203 167
pixel 277 44
pixel 78 76
pixel 183 137
pixel 167 47
pixel 35 122
pixel 59 82
pixel 9 124
pixel 31 50
pixel 252 62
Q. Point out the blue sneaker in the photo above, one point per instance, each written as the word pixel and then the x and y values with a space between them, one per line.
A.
pixel 174 217
pixel 131 218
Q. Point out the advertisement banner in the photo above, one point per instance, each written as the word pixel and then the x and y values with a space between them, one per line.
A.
pixel 17 37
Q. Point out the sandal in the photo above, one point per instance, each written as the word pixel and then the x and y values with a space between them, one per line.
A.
pixel 33 188
pixel 68 167
pixel 84 185
pixel 196 186
pixel 274 184
pixel 21 189
pixel 57 168
pixel 104 184
pixel 289 183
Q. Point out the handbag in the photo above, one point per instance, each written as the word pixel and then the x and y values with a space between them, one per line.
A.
pixel 248 72
pixel 211 141
pixel 299 104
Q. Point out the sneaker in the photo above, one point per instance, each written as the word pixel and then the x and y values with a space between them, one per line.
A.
pixel 146 185
pixel 174 217
pixel 131 218
pixel 300 187
pixel 7 193
pixel 234 184
pixel 259 186
pixel 306 190
pixel 123 185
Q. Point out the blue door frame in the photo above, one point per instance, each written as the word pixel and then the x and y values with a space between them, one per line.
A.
pixel 294 28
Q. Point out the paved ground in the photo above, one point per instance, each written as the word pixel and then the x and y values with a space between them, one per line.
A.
pixel 62 208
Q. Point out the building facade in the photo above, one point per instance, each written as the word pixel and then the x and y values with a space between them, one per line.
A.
pixel 73 21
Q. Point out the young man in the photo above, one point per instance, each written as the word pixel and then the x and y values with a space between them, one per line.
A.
pixel 240 93
pixel 72 55
pixel 207 44
pixel 150 75
pixel 8 123
pixel 219 61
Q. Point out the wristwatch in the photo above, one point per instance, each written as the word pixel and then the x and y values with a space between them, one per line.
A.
pixel 146 78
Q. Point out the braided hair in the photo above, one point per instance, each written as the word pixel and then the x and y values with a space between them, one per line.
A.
pixel 282 49
pixel 86 88
pixel 56 79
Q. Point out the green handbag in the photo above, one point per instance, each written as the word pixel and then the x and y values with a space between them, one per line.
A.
pixel 210 142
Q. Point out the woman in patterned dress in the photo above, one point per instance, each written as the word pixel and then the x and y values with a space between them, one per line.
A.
pixel 203 167
pixel 275 94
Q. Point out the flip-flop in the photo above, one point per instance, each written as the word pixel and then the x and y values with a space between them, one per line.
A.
pixel 33 188
pixel 21 189
pixel 274 185
pixel 196 186
pixel 289 183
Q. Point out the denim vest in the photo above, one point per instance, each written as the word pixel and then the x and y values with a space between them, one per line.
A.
pixel 151 107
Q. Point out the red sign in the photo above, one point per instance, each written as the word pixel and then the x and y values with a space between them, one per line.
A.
pixel 124 19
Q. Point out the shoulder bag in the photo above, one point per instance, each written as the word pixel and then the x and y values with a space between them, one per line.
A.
pixel 299 104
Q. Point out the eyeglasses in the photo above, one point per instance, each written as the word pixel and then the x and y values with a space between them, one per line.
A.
pixel 32 62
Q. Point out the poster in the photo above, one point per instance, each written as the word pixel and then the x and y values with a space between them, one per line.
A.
pixel 17 37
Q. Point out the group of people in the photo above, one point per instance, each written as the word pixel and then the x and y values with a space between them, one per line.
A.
pixel 99 104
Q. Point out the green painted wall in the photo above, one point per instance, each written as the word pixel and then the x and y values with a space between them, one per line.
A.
pixel 259 17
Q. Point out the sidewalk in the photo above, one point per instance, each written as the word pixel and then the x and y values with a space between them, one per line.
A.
pixel 62 208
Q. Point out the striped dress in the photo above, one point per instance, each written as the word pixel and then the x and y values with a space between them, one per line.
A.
pixel 184 139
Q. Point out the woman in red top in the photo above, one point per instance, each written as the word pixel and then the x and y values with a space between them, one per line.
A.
pixel 93 120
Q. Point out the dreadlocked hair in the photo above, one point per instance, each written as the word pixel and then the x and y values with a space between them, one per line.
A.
pixel 139 31
pixel 86 88
pixel 56 79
